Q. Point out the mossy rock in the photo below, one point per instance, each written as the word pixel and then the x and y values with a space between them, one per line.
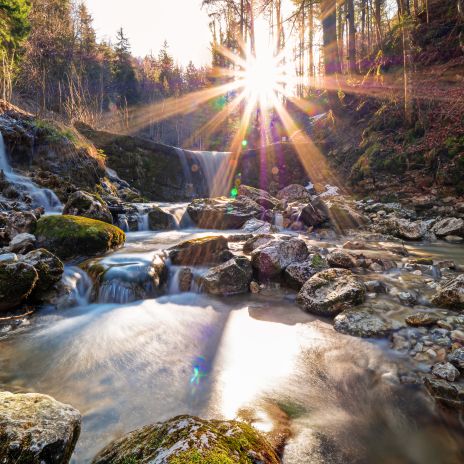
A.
pixel 189 440
pixel 17 281
pixel 73 236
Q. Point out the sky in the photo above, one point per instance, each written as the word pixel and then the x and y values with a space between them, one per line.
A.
pixel 148 23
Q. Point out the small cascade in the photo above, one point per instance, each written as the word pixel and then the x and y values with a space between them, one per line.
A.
pixel 80 285
pixel 143 223
pixel 123 223
pixel 210 163
pixel 40 197
pixel 184 279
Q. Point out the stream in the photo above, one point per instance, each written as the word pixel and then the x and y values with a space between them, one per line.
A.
pixel 255 356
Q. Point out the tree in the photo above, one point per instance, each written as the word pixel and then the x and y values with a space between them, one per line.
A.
pixel 329 37
pixel 124 78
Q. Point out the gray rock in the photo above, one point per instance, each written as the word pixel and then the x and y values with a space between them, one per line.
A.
pixel 345 216
pixel 297 274
pixel 22 243
pixel 330 292
pixel 223 213
pixel 451 294
pixel 405 229
pixel 85 204
pixel 257 241
pixel 17 281
pixel 362 323
pixel 259 227
pixel 456 358
pixel 271 259
pixel 8 257
pixel 449 226
pixel 200 251
pixel 294 192
pixel 314 213
pixel 19 223
pixel 160 220
pixel 231 278
pixel 36 429
pixel 189 439
pixel 445 370
pixel 261 197
pixel 446 393
pixel 341 259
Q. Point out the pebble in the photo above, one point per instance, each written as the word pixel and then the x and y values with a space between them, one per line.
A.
pixel 457 336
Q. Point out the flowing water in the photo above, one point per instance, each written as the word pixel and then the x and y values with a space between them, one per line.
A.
pixel 39 196
pixel 254 356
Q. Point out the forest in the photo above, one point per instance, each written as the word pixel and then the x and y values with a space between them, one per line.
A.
pixel 232 231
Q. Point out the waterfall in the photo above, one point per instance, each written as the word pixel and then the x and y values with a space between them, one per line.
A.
pixel 123 223
pixel 143 222
pixel 80 285
pixel 41 197
pixel 210 163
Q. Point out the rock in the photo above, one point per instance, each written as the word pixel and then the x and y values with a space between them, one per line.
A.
pixel 254 287
pixel 49 269
pixel 451 294
pixel 314 213
pixel 261 197
pixel 160 220
pixel 223 213
pixel 446 393
pixel 36 429
pixel 407 298
pixel 445 370
pixel 362 323
pixel 457 336
pixel 85 204
pixel 19 223
pixel 69 236
pixel 454 239
pixel 449 226
pixel 294 192
pixel 271 259
pixel 405 229
pixel 257 241
pixel 17 281
pixel 297 274
pixel 200 251
pixel 22 243
pixel 376 286
pixel 344 216
pixel 185 277
pixel 259 227
pixel 422 319
pixel 341 259
pixel 330 292
pixel 187 439
pixel 8 257
pixel 456 358
pixel 231 278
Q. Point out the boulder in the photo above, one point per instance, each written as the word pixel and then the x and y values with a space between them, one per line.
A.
pixel 363 323
pixel 344 216
pixel 314 213
pixel 75 236
pixel 271 259
pixel 200 251
pixel 456 358
pixel 257 226
pixel 297 274
pixel 160 220
pixel 223 213
pixel 294 192
pixel 405 229
pixel 448 227
pixel 187 439
pixel 36 429
pixel 231 278
pixel 445 370
pixel 49 269
pixel 450 294
pixel 17 281
pixel 22 243
pixel 255 242
pixel 19 223
pixel 330 292
pixel 341 259
pixel 85 204
pixel 261 197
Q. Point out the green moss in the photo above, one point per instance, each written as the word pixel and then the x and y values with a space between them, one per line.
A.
pixel 317 261
pixel 69 236
pixel 195 457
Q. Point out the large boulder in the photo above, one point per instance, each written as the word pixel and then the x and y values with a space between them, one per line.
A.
pixel 85 204
pixel 341 259
pixel 49 269
pixel 344 215
pixel 223 213
pixel 297 274
pixel 36 429
pixel 271 259
pixel 231 278
pixel 71 236
pixel 294 193
pixel 449 226
pixel 200 251
pixel 20 222
pixel 330 292
pixel 261 197
pixel 405 229
pixel 257 241
pixel 187 439
pixel 314 213
pixel 160 220
pixel 22 243
pixel 17 281
pixel 451 294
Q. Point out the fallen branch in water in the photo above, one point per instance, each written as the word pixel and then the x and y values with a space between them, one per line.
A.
pixel 12 318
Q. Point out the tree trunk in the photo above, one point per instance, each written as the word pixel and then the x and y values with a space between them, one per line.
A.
pixel 378 21
pixel 329 37
pixel 351 36
pixel 311 39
